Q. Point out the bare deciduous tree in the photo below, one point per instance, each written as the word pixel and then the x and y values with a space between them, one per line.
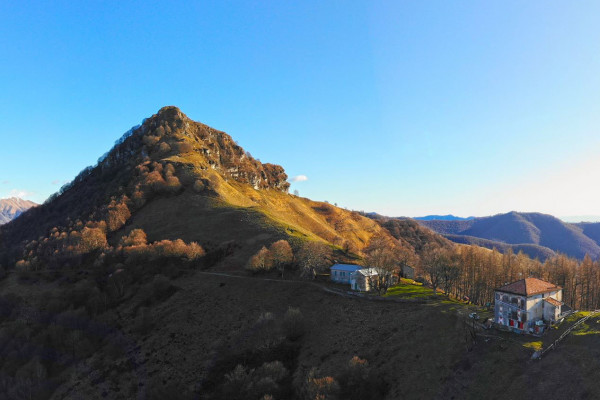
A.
pixel 382 255
pixel 281 254
pixel 313 257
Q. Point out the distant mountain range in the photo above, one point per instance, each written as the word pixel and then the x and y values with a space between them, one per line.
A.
pixel 538 235
pixel 13 207
pixel 448 217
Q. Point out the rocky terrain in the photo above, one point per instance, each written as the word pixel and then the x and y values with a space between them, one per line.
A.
pixel 12 207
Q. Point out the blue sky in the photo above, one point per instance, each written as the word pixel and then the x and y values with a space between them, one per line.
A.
pixel 404 108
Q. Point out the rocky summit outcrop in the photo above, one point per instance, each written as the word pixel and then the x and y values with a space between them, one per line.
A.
pixel 13 207
pixel 171 133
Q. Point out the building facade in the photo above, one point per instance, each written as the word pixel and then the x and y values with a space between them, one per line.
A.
pixel 362 280
pixel 408 272
pixel 527 304
pixel 342 273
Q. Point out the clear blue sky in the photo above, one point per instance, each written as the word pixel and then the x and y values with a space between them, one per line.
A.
pixel 404 108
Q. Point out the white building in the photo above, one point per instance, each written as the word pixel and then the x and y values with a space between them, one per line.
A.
pixel 521 305
pixel 363 279
pixel 342 273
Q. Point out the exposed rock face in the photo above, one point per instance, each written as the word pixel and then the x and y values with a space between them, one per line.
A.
pixel 12 208
pixel 173 133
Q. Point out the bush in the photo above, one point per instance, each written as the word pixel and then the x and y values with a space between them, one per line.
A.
pixel 164 147
pixel 150 141
pixel 136 237
pixel 199 186
pixel 262 261
pixel 92 239
pixel 184 147
pixel 244 383
pixel 359 382
pixel 118 214
pixel 324 388
pixel 281 254
pixel 294 325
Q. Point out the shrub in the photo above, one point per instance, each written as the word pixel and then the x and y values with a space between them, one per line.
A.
pixel 137 237
pixel 92 239
pixel 164 147
pixel 262 261
pixel 281 254
pixel 118 214
pixel 172 184
pixel 358 381
pixel 199 186
pixel 184 147
pixel 274 370
pixel 324 388
pixel 150 141
pixel 294 325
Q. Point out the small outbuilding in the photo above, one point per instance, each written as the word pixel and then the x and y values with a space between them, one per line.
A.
pixel 408 272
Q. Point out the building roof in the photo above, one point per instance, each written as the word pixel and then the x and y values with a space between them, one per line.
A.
pixel 346 267
pixel 553 302
pixel 529 287
pixel 367 271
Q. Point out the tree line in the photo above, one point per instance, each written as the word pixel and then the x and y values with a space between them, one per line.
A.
pixel 475 272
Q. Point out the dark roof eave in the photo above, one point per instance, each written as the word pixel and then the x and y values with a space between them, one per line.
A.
pixel 530 294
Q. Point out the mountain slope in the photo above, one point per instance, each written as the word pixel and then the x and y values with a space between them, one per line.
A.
pixel 180 179
pixel 448 217
pixel 591 230
pixel 532 250
pixel 522 228
pixel 12 207
pixel 411 233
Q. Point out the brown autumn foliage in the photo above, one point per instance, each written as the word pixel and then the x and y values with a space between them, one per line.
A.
pixel 118 214
pixel 281 254
pixel 323 388
pixel 475 272
pixel 262 261
pixel 92 239
pixel 137 237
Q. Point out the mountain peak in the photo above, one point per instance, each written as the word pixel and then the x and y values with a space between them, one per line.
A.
pixel 12 207
pixel 170 137
pixel 170 113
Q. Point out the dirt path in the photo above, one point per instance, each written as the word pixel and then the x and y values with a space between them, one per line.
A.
pixel 322 286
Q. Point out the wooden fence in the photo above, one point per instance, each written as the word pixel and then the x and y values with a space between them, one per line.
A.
pixel 539 355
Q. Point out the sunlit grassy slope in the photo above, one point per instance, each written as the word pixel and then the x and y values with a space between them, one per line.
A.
pixel 236 212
